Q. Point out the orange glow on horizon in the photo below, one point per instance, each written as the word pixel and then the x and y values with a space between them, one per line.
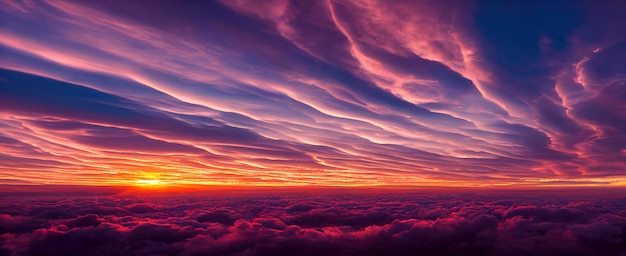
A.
pixel 148 182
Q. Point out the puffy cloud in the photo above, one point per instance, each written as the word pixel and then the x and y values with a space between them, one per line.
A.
pixel 420 222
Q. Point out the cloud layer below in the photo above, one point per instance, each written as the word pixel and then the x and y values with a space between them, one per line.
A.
pixel 312 93
pixel 422 222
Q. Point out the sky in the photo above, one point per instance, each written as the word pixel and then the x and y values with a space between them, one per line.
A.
pixel 313 93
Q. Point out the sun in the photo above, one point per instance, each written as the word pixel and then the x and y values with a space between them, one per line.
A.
pixel 151 182
pixel 150 179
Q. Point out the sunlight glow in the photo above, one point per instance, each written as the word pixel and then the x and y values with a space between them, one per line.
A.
pixel 149 182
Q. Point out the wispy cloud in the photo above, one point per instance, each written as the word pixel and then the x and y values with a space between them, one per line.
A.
pixel 320 92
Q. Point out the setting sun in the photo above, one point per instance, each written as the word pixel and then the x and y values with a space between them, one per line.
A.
pixel 148 182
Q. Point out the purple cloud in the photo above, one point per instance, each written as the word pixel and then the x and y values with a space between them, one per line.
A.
pixel 440 223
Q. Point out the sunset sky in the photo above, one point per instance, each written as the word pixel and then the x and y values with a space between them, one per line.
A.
pixel 312 127
pixel 313 93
